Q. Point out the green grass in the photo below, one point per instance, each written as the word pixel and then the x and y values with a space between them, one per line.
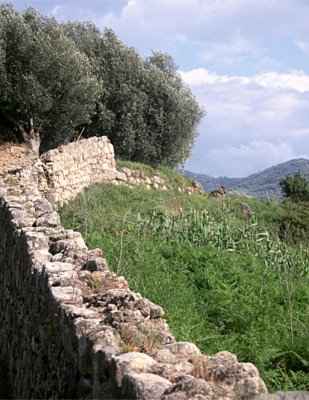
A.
pixel 225 283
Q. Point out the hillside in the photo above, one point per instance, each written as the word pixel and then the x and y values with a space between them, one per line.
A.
pixel 262 184
pixel 221 278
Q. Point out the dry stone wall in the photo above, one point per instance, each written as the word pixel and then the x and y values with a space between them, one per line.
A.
pixel 70 328
pixel 67 170
pixel 133 178
pixel 70 168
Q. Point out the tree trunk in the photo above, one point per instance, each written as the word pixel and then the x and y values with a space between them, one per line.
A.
pixel 32 138
pixel 29 134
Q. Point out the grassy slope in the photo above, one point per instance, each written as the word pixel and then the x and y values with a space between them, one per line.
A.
pixel 224 283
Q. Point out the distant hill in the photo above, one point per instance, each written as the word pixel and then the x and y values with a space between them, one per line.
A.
pixel 260 184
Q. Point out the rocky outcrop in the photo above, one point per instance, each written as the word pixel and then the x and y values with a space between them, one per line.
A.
pixel 70 328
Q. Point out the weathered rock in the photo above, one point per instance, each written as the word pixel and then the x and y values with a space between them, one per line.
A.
pixel 95 262
pixel 67 295
pixel 284 396
pixel 144 386
pixel 183 350
pixel 165 356
pixel 131 362
pixel 189 388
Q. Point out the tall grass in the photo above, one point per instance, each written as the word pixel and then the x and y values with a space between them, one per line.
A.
pixel 225 283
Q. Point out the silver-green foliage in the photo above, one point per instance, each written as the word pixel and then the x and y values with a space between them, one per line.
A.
pixel 144 107
pixel 44 78
pixel 56 79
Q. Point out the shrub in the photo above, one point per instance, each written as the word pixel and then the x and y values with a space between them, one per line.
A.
pixel 295 187
pixel 294 222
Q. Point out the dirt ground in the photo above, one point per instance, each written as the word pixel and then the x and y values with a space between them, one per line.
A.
pixel 12 156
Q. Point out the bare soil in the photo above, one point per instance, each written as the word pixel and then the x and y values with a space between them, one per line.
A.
pixel 13 156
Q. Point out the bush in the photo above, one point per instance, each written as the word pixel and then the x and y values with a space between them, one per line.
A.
pixel 294 222
pixel 295 187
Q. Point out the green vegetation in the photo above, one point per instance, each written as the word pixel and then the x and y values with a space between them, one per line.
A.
pixel 226 282
pixel 46 83
pixel 295 187
pixel 60 81
pixel 294 220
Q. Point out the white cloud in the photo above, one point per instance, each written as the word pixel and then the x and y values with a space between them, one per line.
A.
pixel 252 122
pixel 222 33
pixel 295 80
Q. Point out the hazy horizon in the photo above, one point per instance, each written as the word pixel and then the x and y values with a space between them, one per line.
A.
pixel 247 176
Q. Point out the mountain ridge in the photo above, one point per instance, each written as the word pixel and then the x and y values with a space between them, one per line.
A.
pixel 263 184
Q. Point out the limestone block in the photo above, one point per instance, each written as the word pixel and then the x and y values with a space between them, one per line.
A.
pixel 77 312
pixel 63 278
pixel 144 386
pixel 284 396
pixel 190 388
pixel 56 267
pixel 131 362
pixel 67 294
pixel 51 219
pixel 183 350
pixel 36 240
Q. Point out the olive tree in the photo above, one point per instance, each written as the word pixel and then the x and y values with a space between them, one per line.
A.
pixel 56 79
pixel 47 86
pixel 144 107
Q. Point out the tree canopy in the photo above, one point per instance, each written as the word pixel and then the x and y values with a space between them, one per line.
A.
pixel 295 187
pixel 59 79
pixel 46 83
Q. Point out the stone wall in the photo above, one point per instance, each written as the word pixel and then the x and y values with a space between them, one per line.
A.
pixel 134 177
pixel 70 328
pixel 67 170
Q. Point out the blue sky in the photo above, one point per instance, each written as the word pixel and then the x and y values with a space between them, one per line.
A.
pixel 247 62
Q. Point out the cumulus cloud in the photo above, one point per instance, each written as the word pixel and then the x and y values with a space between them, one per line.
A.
pixel 252 122
pixel 225 34
pixel 295 80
